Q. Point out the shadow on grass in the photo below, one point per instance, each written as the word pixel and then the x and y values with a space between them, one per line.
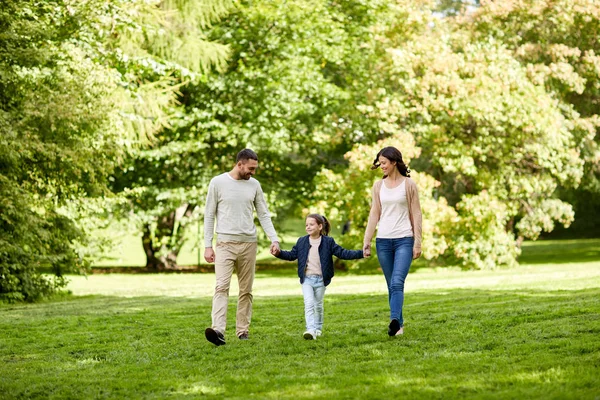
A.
pixel 538 252
pixel 560 251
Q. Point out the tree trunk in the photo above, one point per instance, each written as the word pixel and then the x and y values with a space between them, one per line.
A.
pixel 152 263
pixel 510 225
pixel 178 236
pixel 155 262
pixel 520 240
pixel 166 229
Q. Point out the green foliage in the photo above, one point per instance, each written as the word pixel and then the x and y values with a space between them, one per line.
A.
pixel 296 72
pixel 55 118
pixel 483 125
pixel 346 196
pixel 156 47
pixel 469 119
pixel 309 81
pixel 73 103
pixel 31 238
pixel 166 49
pixel 452 8
pixel 172 31
pixel 557 41
pixel 497 106
pixel 479 235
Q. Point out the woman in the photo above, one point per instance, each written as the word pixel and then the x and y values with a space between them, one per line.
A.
pixel 395 208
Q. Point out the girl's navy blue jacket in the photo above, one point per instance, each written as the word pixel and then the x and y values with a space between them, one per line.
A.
pixel 327 249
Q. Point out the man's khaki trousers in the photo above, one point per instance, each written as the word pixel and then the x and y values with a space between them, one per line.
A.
pixel 241 257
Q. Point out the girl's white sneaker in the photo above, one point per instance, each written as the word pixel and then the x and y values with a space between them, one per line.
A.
pixel 318 333
pixel 309 335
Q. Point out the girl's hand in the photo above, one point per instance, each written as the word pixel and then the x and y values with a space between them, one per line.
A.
pixel 275 250
pixel 367 250
pixel 416 253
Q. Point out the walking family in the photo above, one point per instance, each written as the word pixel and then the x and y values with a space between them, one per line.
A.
pixel 231 200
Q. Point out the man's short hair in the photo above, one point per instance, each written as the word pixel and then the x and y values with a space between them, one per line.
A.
pixel 246 155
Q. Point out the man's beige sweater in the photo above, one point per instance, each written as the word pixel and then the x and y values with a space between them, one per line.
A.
pixel 232 202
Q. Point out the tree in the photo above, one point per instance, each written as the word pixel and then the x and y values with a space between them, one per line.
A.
pixel 485 139
pixel 181 54
pixel 289 91
pixel 557 41
pixel 77 92
pixel 56 117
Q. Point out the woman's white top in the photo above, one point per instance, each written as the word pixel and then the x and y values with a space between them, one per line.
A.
pixel 394 222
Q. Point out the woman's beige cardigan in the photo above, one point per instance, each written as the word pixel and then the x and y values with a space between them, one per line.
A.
pixel 414 211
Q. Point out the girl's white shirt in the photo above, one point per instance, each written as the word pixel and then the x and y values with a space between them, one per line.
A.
pixel 394 222
pixel 313 264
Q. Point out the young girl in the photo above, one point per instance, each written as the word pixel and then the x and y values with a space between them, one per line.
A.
pixel 315 268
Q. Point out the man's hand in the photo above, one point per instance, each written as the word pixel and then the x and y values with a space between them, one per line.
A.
pixel 416 252
pixel 209 255
pixel 367 250
pixel 275 250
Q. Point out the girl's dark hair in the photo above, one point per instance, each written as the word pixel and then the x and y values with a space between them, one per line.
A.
pixel 392 154
pixel 321 220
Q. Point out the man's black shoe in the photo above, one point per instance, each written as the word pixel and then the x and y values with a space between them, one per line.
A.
pixel 215 337
pixel 394 327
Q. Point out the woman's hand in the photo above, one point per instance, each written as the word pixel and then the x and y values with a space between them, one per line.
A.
pixel 367 250
pixel 416 252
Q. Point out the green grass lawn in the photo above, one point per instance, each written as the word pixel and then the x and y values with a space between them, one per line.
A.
pixel 531 332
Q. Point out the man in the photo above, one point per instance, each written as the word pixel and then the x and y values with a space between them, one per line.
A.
pixel 231 198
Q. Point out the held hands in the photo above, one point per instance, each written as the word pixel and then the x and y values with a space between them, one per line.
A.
pixel 367 250
pixel 275 250
pixel 209 255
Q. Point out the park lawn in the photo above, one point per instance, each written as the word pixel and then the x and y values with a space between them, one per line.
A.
pixel 531 332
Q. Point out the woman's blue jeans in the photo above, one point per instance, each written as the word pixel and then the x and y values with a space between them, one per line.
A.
pixel 395 257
